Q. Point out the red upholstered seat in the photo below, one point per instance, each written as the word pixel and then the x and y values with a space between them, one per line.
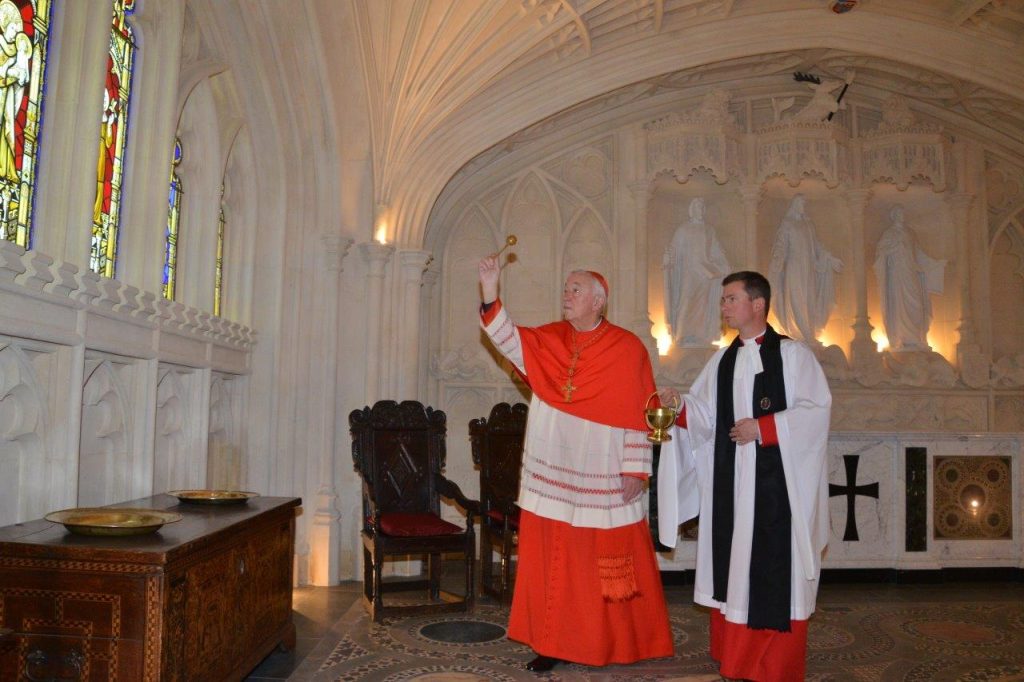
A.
pixel 398 449
pixel 499 517
pixel 418 524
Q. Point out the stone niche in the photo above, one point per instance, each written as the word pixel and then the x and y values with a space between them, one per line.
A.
pixel 891 245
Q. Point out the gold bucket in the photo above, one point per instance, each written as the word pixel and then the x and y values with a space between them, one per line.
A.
pixel 660 419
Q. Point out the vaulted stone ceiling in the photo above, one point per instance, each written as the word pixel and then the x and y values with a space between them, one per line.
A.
pixel 446 80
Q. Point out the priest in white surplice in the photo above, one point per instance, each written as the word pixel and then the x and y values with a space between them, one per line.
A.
pixel 749 455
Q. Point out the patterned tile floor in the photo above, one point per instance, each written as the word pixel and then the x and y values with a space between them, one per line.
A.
pixel 861 633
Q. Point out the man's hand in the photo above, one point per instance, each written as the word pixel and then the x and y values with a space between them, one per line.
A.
pixel 490 271
pixel 744 431
pixel 632 486
pixel 669 397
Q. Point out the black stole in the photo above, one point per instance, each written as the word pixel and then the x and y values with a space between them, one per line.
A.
pixel 770 556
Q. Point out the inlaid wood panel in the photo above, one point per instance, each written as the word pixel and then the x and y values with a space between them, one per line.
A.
pixel 202 599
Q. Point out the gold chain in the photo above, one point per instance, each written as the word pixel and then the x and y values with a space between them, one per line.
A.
pixel 568 388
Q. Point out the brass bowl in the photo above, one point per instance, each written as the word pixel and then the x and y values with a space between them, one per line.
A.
pixel 660 419
pixel 213 496
pixel 109 521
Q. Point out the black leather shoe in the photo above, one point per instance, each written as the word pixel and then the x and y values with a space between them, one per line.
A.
pixel 542 664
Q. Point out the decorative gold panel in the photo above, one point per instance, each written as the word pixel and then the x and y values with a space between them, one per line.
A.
pixel 973 498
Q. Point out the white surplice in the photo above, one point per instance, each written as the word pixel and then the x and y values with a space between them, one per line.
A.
pixel 687 463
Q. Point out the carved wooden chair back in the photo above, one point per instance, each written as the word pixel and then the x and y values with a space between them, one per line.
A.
pixel 497 444
pixel 398 449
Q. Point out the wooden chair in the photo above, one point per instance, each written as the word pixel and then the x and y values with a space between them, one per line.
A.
pixel 399 451
pixel 498 451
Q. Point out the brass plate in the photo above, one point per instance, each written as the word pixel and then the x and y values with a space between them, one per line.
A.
pixel 213 496
pixel 112 521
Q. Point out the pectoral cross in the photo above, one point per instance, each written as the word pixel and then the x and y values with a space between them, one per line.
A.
pixel 568 389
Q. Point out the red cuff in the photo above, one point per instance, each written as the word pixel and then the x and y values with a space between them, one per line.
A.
pixel 636 474
pixel 491 313
pixel 681 419
pixel 769 436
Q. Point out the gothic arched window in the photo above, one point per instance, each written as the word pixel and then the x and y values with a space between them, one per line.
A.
pixel 24 30
pixel 106 210
pixel 173 222
pixel 218 278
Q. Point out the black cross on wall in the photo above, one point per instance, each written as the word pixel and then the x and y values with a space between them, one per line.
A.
pixel 851 490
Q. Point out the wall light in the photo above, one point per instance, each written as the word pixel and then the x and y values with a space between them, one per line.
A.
pixel 664 340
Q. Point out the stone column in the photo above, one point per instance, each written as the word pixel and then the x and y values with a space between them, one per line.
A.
pixel 66 188
pixel 641 324
pixel 751 195
pixel 864 356
pixel 377 257
pixel 431 331
pixel 971 360
pixel 412 264
pixel 325 529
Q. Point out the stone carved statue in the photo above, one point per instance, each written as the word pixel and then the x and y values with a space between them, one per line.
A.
pixel 824 101
pixel 694 266
pixel 907 276
pixel 802 275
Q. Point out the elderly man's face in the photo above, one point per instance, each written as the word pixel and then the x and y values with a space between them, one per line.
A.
pixel 580 301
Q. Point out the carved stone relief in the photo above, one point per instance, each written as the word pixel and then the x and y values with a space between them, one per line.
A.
pixel 104 464
pixel 530 281
pixel 705 138
pixel 1007 289
pixel 588 172
pixel 588 247
pixel 467 362
pixel 473 238
pixel 1009 413
pixel 1004 189
pixel 170 465
pixel 224 466
pixel 895 412
pixel 901 150
pixel 23 427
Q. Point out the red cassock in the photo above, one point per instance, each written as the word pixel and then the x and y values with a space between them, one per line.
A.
pixel 588 589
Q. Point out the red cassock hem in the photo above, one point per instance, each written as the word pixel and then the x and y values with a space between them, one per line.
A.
pixel 759 655
pixel 558 607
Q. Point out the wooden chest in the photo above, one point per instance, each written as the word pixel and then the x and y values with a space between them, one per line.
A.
pixel 205 598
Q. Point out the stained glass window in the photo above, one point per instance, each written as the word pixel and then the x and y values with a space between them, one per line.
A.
pixel 218 281
pixel 173 221
pixel 106 211
pixel 24 30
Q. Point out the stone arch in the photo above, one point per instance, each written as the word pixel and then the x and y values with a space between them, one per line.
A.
pixel 531 211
